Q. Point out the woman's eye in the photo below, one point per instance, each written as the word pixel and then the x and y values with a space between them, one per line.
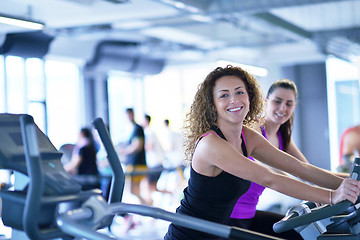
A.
pixel 240 93
pixel 223 95
pixel 289 104
pixel 277 102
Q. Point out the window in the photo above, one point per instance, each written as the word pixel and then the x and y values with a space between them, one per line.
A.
pixel 343 101
pixel 35 91
pixel 169 94
pixel 15 85
pixel 63 102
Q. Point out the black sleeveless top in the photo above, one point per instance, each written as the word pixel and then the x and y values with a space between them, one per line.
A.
pixel 209 198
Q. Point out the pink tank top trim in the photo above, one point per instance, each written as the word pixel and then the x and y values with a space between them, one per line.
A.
pixel 209 134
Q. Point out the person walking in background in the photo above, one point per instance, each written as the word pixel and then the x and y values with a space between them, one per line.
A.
pixel 174 157
pixel 155 156
pixel 135 161
pixel 134 153
pixel 83 161
pixel 172 144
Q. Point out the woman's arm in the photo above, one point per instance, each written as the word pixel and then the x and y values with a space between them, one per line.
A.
pixel 73 164
pixel 294 151
pixel 213 153
pixel 136 145
pixel 265 152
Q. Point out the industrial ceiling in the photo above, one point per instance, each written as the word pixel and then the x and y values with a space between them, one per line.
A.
pixel 185 31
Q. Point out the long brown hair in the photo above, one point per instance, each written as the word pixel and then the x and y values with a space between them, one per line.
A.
pixel 285 128
pixel 202 111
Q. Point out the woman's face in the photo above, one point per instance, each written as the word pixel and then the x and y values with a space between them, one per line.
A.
pixel 280 105
pixel 231 99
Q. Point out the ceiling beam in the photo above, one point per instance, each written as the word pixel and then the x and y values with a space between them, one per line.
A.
pixel 343 43
pixel 248 6
pixel 352 34
pixel 280 22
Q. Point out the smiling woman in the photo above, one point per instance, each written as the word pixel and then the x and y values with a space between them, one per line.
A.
pixel 231 99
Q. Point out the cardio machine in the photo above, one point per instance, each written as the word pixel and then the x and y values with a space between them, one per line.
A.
pixel 339 222
pixel 53 205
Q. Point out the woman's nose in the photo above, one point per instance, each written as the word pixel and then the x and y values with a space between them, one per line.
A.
pixel 283 107
pixel 233 99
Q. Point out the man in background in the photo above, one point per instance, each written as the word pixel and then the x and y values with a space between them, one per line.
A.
pixel 134 153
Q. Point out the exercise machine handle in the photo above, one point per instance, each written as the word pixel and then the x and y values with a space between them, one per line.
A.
pixel 70 222
pixel 36 183
pixel 118 179
pixel 293 220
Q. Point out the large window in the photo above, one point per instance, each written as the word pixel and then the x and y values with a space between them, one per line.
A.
pixel 50 91
pixel 343 101
pixel 23 87
pixel 15 85
pixel 64 102
pixel 35 91
pixel 170 94
pixel 167 95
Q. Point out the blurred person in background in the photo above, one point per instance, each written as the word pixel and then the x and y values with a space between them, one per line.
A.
pixel 349 148
pixel 171 142
pixel 135 159
pixel 83 161
pixel 155 156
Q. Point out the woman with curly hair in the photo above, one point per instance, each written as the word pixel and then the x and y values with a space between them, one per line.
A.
pixel 220 138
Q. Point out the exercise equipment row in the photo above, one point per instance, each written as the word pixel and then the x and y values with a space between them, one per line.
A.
pixel 53 205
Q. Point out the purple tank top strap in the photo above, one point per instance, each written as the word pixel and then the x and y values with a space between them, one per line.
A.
pixel 263 132
pixel 281 142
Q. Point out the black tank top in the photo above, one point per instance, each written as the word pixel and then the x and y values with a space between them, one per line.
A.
pixel 209 198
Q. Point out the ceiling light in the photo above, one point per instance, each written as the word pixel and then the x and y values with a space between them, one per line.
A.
pixel 173 35
pixel 130 25
pixel 201 18
pixel 24 23
pixel 181 5
pixel 257 71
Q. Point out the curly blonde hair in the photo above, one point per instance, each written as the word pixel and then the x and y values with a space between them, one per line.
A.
pixel 202 113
